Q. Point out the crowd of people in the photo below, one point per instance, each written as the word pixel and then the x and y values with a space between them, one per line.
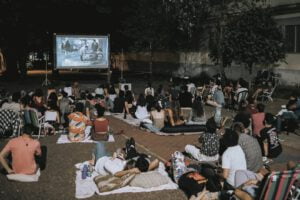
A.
pixel 241 150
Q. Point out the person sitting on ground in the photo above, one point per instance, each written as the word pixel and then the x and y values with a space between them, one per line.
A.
pixel 218 96
pixel 53 101
pixel 141 108
pixel 173 118
pixel 129 102
pixel 78 124
pixel 158 119
pixel 250 147
pixel 209 144
pixel 14 105
pixel 198 111
pixel 185 98
pixel 23 150
pixel 258 120
pixel 233 158
pixel 287 118
pixel 268 140
pixel 101 124
pixel 119 102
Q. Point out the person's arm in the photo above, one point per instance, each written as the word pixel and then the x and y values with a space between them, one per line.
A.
pixel 3 162
pixel 153 165
pixel 266 149
pixel 242 195
pixel 38 150
pixel 124 172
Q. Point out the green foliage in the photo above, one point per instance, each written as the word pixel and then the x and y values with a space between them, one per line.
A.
pixel 252 38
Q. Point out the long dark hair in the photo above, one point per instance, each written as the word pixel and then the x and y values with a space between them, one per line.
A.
pixel 197 107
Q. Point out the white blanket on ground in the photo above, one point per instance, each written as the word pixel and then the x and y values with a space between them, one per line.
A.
pixel 136 122
pixel 63 139
pixel 87 187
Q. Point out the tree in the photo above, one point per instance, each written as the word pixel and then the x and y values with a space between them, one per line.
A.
pixel 252 38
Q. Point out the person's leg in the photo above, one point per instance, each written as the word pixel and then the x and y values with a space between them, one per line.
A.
pixel 153 165
pixel 242 195
pixel 100 151
pixel 193 151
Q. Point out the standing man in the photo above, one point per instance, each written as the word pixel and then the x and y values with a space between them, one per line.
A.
pixel 23 150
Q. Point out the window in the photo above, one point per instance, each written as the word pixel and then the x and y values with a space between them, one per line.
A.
pixel 292 38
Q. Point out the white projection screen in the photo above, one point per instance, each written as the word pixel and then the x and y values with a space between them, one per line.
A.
pixel 81 52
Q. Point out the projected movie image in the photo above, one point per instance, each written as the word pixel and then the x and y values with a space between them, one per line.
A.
pixel 81 51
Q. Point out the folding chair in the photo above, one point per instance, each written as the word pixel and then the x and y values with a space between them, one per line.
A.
pixel 267 96
pixel 240 97
pixel 278 185
pixel 37 122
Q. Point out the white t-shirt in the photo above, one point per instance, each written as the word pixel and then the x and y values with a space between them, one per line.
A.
pixel 107 165
pixel 233 159
pixel 12 106
pixel 68 90
pixel 141 112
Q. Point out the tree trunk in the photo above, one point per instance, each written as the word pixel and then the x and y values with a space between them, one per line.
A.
pixel 11 62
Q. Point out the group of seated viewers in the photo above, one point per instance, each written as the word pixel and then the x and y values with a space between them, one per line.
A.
pixel 241 150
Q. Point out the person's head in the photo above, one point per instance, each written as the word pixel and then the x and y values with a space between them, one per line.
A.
pixel 291 105
pixel 52 105
pixel 260 107
pixel 64 94
pixel 16 97
pixel 211 125
pixel 121 93
pixel 230 138
pixel 188 182
pixel 26 100
pixel 269 119
pixel 141 100
pixel 52 96
pixel 100 110
pixel 28 129
pixel 142 163
pixel 75 84
pixel 238 127
pixel 89 97
pixel 79 107
pixel 244 119
pixel 38 93
pixel 126 87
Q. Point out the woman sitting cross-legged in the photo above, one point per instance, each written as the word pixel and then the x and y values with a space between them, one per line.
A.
pixel 209 141
pixel 78 124
pixel 158 119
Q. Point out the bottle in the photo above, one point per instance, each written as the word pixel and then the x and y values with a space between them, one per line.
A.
pixel 84 172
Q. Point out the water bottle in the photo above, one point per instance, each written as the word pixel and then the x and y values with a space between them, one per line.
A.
pixel 84 172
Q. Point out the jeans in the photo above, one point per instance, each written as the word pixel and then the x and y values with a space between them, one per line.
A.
pixel 151 127
pixel 100 151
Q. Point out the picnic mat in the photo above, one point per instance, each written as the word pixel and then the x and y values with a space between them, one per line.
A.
pixel 63 139
pixel 136 122
pixel 87 187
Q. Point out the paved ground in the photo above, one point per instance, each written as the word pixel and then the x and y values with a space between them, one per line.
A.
pixel 58 179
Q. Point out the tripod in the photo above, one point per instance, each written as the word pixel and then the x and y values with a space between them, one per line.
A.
pixel 46 82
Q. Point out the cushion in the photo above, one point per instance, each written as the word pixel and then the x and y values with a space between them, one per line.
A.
pixel 149 179
pixel 183 129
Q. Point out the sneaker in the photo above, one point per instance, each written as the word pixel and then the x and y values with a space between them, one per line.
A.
pixel 264 159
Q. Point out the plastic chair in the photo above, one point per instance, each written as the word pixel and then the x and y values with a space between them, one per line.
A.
pixel 37 122
pixel 278 185
pixel 267 96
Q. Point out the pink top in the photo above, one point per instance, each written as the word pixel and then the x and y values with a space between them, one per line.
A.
pixel 258 122
pixel 23 151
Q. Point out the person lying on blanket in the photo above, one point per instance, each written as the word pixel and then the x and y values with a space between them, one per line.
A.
pixel 23 150
pixel 120 165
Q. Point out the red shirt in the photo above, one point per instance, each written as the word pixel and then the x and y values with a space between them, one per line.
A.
pixel 101 125
pixel 258 122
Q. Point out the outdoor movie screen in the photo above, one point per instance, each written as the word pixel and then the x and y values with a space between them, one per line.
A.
pixel 77 51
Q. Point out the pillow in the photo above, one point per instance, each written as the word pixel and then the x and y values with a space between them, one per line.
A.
pixel 149 179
